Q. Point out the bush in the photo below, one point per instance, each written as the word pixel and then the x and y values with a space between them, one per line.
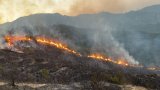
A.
pixel 118 78
pixel 44 73
pixel 96 82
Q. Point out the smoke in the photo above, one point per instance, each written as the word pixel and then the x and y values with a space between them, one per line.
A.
pixel 96 27
pixel 104 42
pixel 13 9
pixel 82 31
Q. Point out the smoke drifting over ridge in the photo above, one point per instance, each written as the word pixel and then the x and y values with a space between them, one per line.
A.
pixel 98 26
pixel 13 9
pixel 97 34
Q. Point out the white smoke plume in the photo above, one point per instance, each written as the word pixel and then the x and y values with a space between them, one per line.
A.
pixel 98 33
pixel 104 42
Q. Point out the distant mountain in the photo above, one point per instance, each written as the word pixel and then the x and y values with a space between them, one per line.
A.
pixel 134 34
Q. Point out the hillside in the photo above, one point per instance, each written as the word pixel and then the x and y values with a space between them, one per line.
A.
pixel 96 51
pixel 47 64
pixel 136 31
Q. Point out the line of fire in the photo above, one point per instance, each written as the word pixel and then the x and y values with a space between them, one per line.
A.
pixel 10 40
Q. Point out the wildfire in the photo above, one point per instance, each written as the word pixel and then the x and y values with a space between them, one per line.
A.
pixel 99 57
pixel 122 62
pixel 104 58
pixel 59 45
pixel 47 41
pixel 11 39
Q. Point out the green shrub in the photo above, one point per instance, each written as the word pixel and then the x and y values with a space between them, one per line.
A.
pixel 118 78
pixel 44 73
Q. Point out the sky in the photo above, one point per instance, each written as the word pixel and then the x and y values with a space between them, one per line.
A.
pixel 12 9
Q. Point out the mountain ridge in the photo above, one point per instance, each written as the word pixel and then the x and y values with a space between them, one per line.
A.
pixel 134 29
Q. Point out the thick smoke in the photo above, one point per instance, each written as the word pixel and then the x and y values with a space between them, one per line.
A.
pixel 117 35
pixel 13 9
pixel 104 42
pixel 97 35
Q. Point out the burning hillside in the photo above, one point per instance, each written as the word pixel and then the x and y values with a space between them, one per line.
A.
pixel 60 49
pixel 54 65
pixel 54 58
pixel 11 40
pixel 46 41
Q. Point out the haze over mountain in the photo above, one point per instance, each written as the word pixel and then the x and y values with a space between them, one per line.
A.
pixel 13 9
pixel 134 36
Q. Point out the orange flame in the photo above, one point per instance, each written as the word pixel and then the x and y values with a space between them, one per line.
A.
pixel 46 41
pixel 11 39
pixel 99 57
pixel 104 58
pixel 122 62
pixel 59 45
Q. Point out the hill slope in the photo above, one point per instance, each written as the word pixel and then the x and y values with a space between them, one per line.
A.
pixel 47 64
pixel 132 32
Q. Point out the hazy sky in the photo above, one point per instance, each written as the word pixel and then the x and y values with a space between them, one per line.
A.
pixel 13 9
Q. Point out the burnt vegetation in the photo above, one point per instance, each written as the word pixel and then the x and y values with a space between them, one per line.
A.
pixel 52 65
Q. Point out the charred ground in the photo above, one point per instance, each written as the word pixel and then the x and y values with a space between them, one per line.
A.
pixel 51 65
